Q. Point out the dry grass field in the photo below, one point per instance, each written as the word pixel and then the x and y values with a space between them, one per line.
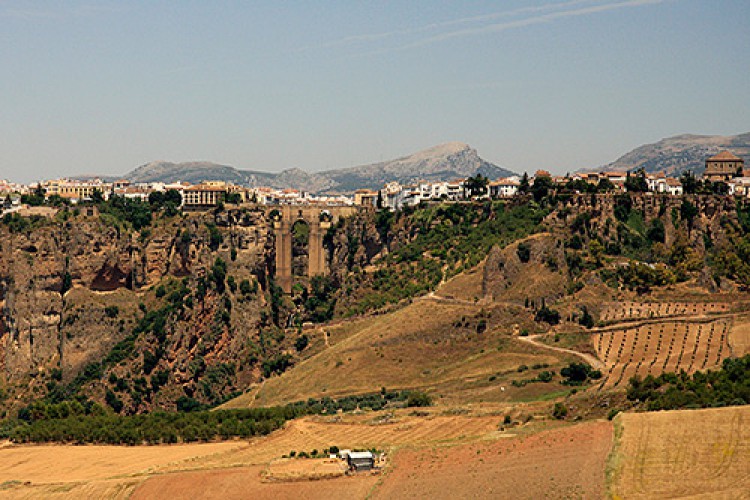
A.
pixel 686 453
pixel 654 348
pixel 234 469
pixel 431 454
pixel 418 346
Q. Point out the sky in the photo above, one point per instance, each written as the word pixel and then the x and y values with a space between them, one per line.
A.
pixel 103 87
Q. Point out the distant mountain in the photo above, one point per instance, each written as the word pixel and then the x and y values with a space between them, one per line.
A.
pixel 440 163
pixel 193 172
pixel 445 162
pixel 675 155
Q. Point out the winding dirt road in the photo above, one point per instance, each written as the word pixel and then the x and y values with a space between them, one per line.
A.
pixel 588 358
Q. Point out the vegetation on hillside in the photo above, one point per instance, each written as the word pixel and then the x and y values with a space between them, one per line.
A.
pixel 443 241
pixel 728 386
pixel 83 421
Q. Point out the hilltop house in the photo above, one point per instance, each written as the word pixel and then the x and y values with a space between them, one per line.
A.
pixel 203 196
pixel 723 167
pixel 504 188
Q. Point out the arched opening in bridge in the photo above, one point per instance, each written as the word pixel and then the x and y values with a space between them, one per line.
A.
pixel 300 250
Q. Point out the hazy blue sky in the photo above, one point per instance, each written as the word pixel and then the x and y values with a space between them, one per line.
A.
pixel 107 86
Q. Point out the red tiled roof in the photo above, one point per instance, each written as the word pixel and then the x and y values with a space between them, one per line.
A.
pixel 725 156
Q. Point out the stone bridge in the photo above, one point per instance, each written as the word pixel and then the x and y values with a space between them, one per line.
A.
pixel 318 219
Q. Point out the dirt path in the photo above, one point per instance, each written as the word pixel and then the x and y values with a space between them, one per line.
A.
pixel 588 358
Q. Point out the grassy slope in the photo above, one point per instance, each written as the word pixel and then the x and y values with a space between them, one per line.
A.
pixel 418 346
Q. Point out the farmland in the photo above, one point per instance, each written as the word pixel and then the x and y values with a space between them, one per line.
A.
pixel 682 453
pixel 658 347
pixel 629 310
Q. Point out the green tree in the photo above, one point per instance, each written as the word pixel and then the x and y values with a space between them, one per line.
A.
pixel 523 186
pixel 541 187
pixel 637 183
pixel 477 185
pixel 690 184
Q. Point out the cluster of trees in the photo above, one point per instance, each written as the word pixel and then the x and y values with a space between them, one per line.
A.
pixel 374 401
pixel 728 386
pixel 169 201
pixel 18 224
pixel 320 301
pixel 83 421
pixel 546 315
pixel 134 212
pixel 579 373
pixel 152 428
pixel 641 277
pixel 693 185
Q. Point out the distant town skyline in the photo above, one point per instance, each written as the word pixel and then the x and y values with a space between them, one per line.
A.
pixel 103 87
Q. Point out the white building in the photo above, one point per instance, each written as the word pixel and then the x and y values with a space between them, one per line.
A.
pixel 504 188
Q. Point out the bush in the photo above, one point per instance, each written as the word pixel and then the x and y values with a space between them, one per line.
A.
pixel 547 315
pixel 301 343
pixel 524 252
pixel 545 376
pixel 586 319
pixel 112 311
pixel 560 411
pixel 418 398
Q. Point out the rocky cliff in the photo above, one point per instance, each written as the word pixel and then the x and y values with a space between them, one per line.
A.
pixel 168 299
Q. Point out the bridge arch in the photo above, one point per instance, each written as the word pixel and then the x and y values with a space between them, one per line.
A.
pixel 318 219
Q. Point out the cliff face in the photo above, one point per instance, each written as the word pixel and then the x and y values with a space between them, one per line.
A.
pixel 594 232
pixel 72 290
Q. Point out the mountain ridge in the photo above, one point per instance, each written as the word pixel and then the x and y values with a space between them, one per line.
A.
pixel 442 162
pixel 680 153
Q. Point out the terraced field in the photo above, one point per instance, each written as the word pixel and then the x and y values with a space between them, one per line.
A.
pixel 655 348
pixel 622 311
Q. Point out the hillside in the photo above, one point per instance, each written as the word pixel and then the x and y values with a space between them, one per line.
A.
pixel 445 162
pixel 675 155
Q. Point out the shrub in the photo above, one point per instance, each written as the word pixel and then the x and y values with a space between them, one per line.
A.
pixel 301 343
pixel 586 319
pixel 560 411
pixel 545 376
pixel 547 315
pixel 524 252
pixel 418 398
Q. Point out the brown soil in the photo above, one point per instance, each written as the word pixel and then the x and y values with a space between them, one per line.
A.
pixel 567 462
pixel 245 482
